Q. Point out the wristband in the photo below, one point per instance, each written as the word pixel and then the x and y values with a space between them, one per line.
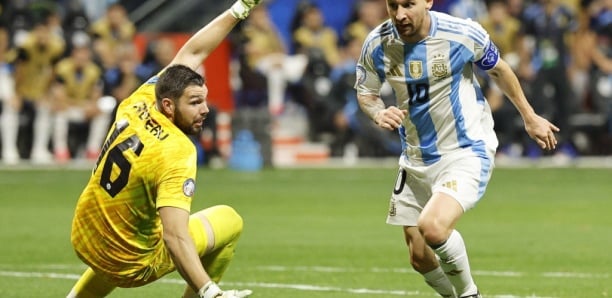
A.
pixel 240 10
pixel 210 290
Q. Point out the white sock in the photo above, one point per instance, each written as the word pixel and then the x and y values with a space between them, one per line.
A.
pixel 60 132
pixel 42 125
pixel 276 89
pixel 454 262
pixel 98 127
pixel 438 281
pixel 10 128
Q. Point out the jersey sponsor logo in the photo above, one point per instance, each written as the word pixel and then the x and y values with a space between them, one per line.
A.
pixel 189 187
pixel 416 69
pixel 396 70
pixel 361 74
pixel 452 185
pixel 439 68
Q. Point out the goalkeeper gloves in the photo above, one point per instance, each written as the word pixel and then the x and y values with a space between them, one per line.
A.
pixel 212 290
pixel 241 8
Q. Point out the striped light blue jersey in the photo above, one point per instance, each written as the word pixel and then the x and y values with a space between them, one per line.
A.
pixel 434 80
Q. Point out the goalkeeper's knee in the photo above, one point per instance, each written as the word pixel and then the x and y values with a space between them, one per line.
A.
pixel 224 222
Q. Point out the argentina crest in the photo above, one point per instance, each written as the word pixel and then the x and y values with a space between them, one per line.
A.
pixel 439 68
pixel 415 68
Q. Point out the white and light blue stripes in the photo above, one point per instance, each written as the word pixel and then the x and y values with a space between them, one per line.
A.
pixel 433 79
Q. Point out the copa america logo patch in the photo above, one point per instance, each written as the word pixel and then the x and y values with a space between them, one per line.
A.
pixel 189 187
pixel 361 74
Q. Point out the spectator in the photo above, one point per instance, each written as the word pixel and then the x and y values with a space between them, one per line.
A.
pixel 158 55
pixel 547 25
pixel 368 15
pixel 127 79
pixel 504 32
pixel 112 29
pixel 516 8
pixel 263 62
pixel 75 22
pixel 468 9
pixel 265 53
pixel 10 115
pixel 352 127
pixel 320 45
pixel 37 55
pixel 18 19
pixel 312 33
pixel 600 51
pixel 77 98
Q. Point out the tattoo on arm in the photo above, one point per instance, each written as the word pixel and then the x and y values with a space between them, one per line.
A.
pixel 370 104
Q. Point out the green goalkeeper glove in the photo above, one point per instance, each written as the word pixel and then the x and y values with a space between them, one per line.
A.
pixel 212 290
pixel 241 8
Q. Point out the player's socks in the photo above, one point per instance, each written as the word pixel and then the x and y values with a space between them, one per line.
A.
pixel 10 125
pixel 60 134
pixel 42 131
pixel 440 282
pixel 454 262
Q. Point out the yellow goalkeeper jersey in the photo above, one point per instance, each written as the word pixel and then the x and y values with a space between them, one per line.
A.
pixel 146 163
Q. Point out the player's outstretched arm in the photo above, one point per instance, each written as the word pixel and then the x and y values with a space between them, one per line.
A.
pixel 538 128
pixel 203 42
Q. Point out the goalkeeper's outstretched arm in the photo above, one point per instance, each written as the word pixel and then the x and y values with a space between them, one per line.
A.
pixel 203 42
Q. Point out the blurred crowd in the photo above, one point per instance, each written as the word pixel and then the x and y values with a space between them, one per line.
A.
pixel 64 70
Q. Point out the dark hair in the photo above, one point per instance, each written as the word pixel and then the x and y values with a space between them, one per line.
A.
pixel 174 80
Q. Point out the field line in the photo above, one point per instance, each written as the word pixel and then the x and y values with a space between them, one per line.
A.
pixel 330 269
pixel 301 287
pixel 326 269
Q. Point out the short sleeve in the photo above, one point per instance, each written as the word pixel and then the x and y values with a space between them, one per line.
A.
pixel 486 53
pixel 176 186
pixel 367 79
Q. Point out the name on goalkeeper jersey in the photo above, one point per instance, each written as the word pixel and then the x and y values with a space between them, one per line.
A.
pixel 150 124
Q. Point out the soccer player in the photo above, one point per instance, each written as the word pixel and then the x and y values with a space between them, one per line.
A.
pixel 132 224
pixel 445 125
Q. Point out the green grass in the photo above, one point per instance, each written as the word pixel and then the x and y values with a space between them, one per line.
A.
pixel 322 233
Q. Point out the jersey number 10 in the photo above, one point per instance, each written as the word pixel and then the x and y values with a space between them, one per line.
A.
pixel 418 93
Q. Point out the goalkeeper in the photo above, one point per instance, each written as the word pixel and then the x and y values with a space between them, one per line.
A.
pixel 132 223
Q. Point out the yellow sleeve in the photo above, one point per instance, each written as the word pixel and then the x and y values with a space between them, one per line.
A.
pixel 177 183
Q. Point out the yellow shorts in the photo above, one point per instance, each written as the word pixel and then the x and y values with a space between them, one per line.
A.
pixel 224 226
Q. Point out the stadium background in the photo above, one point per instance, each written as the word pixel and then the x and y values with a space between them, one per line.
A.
pixel 293 139
pixel 317 230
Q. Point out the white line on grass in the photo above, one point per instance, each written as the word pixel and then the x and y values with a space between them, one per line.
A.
pixel 324 269
pixel 329 269
pixel 301 287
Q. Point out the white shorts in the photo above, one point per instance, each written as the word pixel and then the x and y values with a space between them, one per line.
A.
pixel 463 175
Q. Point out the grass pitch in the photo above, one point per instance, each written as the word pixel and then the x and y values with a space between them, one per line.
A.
pixel 321 233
